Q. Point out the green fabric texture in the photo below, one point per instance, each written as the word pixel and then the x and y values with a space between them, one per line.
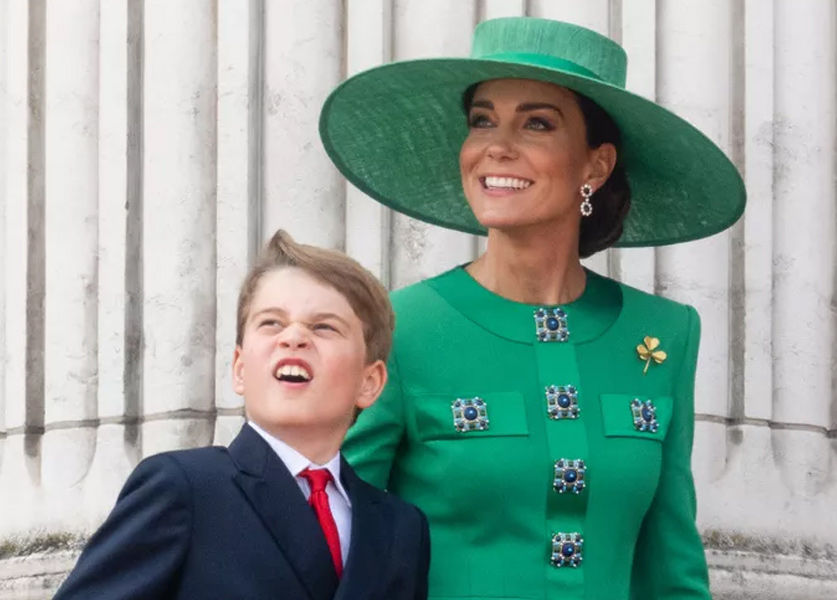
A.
pixel 489 494
pixel 395 132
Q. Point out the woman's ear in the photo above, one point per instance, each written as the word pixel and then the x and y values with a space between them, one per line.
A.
pixel 601 165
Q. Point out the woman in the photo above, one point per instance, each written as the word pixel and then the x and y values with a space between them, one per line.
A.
pixel 541 415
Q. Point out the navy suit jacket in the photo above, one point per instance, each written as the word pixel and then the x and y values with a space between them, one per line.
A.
pixel 229 524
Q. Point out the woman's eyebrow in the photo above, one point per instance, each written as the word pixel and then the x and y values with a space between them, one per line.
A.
pixel 527 106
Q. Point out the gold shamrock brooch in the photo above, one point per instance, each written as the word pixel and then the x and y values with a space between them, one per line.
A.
pixel 648 352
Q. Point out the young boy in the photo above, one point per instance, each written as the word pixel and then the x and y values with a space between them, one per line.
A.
pixel 279 514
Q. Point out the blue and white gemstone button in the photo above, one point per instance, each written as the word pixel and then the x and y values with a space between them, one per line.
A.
pixel 562 402
pixel 469 414
pixel 644 415
pixel 551 325
pixel 570 476
pixel 567 550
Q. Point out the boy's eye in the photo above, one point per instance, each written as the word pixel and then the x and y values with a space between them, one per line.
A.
pixel 269 323
pixel 324 327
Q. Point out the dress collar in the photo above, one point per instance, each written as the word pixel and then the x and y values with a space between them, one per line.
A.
pixel 586 318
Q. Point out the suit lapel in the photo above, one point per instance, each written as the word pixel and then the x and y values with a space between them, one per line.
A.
pixel 369 547
pixel 275 496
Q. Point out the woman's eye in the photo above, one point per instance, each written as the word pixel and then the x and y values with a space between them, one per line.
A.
pixel 539 124
pixel 269 323
pixel 478 120
pixel 324 327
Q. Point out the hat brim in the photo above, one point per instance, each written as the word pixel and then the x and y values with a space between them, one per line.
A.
pixel 395 132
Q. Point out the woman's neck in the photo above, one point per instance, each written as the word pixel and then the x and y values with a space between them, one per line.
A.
pixel 531 269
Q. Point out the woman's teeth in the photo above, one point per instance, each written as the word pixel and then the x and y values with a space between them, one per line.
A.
pixel 506 183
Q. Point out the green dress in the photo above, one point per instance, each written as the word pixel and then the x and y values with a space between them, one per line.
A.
pixel 549 461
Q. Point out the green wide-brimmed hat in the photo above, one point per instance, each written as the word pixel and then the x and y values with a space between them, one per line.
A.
pixel 395 132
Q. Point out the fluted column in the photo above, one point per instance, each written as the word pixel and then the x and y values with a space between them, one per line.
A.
pixel 422 30
pixel 493 9
pixel 178 223
pixel 240 45
pixel 3 141
pixel 593 14
pixel 119 184
pixel 303 193
pixel 805 105
pixel 71 169
pixel 23 286
pixel 693 80
pixel 638 35
pixel 368 223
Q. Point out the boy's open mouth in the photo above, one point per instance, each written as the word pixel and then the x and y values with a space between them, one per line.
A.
pixel 293 372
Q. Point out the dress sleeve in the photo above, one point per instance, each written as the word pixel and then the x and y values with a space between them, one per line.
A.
pixel 669 562
pixel 372 442
pixel 138 552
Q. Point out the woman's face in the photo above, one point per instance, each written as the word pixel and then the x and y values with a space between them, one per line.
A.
pixel 526 155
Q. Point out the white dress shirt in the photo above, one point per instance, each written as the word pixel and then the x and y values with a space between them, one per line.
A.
pixel 338 499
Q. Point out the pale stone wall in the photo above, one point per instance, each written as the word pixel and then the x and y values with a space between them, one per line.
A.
pixel 148 147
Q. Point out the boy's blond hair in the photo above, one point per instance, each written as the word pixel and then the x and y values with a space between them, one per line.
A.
pixel 365 294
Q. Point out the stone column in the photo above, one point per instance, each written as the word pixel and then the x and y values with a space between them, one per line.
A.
pixel 493 9
pixel 693 80
pixel 422 30
pixel 368 223
pixel 805 108
pixel 72 195
pixel 240 46
pixel 119 186
pixel 178 223
pixel 638 35
pixel 303 193
pixel 23 286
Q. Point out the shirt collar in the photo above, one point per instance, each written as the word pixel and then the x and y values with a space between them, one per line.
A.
pixel 296 462
pixel 586 318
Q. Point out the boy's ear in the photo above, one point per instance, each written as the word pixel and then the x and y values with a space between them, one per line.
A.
pixel 374 380
pixel 238 371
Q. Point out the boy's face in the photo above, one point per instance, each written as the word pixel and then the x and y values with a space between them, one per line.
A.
pixel 302 362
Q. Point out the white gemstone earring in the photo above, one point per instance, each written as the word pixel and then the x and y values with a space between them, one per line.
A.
pixel 586 206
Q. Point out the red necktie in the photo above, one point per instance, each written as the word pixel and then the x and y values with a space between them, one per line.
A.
pixel 318 479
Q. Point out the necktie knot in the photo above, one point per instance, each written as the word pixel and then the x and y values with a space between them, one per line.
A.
pixel 317 478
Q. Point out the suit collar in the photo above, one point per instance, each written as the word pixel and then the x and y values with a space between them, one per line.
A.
pixel 371 536
pixel 276 498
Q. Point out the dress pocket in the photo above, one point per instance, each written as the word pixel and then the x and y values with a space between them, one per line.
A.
pixel 490 414
pixel 642 417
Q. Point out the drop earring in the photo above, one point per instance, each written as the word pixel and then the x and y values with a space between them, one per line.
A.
pixel 586 206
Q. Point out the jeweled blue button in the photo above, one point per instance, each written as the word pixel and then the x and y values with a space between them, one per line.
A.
pixel 551 325
pixel 644 415
pixel 567 550
pixel 570 476
pixel 469 414
pixel 562 402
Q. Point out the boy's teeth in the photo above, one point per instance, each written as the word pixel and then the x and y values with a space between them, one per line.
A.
pixel 507 183
pixel 293 371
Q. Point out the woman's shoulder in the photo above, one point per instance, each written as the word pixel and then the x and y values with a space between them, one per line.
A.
pixel 640 304
pixel 420 296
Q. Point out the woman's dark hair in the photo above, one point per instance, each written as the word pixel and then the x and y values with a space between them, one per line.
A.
pixel 612 201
